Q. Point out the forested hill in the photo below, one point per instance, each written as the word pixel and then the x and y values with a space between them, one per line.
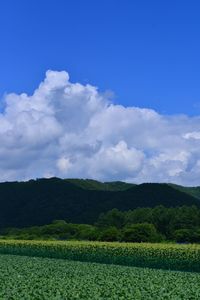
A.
pixel 90 184
pixel 38 202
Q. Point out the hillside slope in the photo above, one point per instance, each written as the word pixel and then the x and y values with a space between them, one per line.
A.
pixel 193 191
pixel 90 184
pixel 38 202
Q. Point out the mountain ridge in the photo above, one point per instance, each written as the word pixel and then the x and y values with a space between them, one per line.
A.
pixel 38 202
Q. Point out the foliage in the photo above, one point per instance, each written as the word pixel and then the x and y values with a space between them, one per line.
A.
pixel 166 220
pixel 193 191
pixel 163 256
pixel 113 217
pixel 90 184
pixel 35 278
pixel 187 235
pixel 180 224
pixel 143 232
pixel 59 230
pixel 110 234
pixel 39 202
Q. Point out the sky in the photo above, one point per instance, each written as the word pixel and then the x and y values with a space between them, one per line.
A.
pixel 100 89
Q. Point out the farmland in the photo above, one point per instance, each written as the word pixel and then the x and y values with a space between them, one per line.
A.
pixel 33 278
pixel 59 270
pixel 162 256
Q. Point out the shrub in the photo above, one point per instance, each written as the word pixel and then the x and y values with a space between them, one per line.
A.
pixel 110 234
pixel 143 232
pixel 187 235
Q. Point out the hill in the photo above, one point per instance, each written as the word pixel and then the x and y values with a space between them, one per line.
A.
pixel 38 202
pixel 90 184
pixel 193 191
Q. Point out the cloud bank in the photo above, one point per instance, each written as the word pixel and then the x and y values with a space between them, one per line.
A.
pixel 72 130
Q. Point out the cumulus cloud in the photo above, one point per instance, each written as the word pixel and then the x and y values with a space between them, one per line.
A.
pixel 192 135
pixel 72 130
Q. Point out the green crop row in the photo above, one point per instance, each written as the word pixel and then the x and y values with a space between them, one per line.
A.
pixel 163 256
pixel 56 279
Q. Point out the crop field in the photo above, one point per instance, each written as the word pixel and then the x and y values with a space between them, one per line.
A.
pixel 53 270
pixel 162 256
pixel 34 278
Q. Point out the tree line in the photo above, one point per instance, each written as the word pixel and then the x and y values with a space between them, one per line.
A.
pixel 158 224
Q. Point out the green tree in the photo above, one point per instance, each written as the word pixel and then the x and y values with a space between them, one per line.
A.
pixel 139 215
pixel 110 234
pixel 143 232
pixel 187 235
pixel 113 217
pixel 86 232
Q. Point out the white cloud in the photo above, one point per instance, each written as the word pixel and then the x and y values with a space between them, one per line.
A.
pixel 71 130
pixel 63 164
pixel 114 162
pixel 192 135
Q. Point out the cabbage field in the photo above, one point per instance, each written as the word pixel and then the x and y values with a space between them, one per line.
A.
pixel 53 270
pixel 32 278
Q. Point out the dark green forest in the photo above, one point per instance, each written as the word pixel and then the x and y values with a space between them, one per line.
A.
pixel 158 224
pixel 78 201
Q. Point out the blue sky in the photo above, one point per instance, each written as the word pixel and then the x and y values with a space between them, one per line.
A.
pixel 55 122
pixel 146 52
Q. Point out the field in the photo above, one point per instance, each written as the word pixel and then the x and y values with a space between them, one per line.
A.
pixel 33 278
pixel 162 256
pixel 53 270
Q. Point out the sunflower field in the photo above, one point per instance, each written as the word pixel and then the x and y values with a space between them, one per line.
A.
pixel 162 256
